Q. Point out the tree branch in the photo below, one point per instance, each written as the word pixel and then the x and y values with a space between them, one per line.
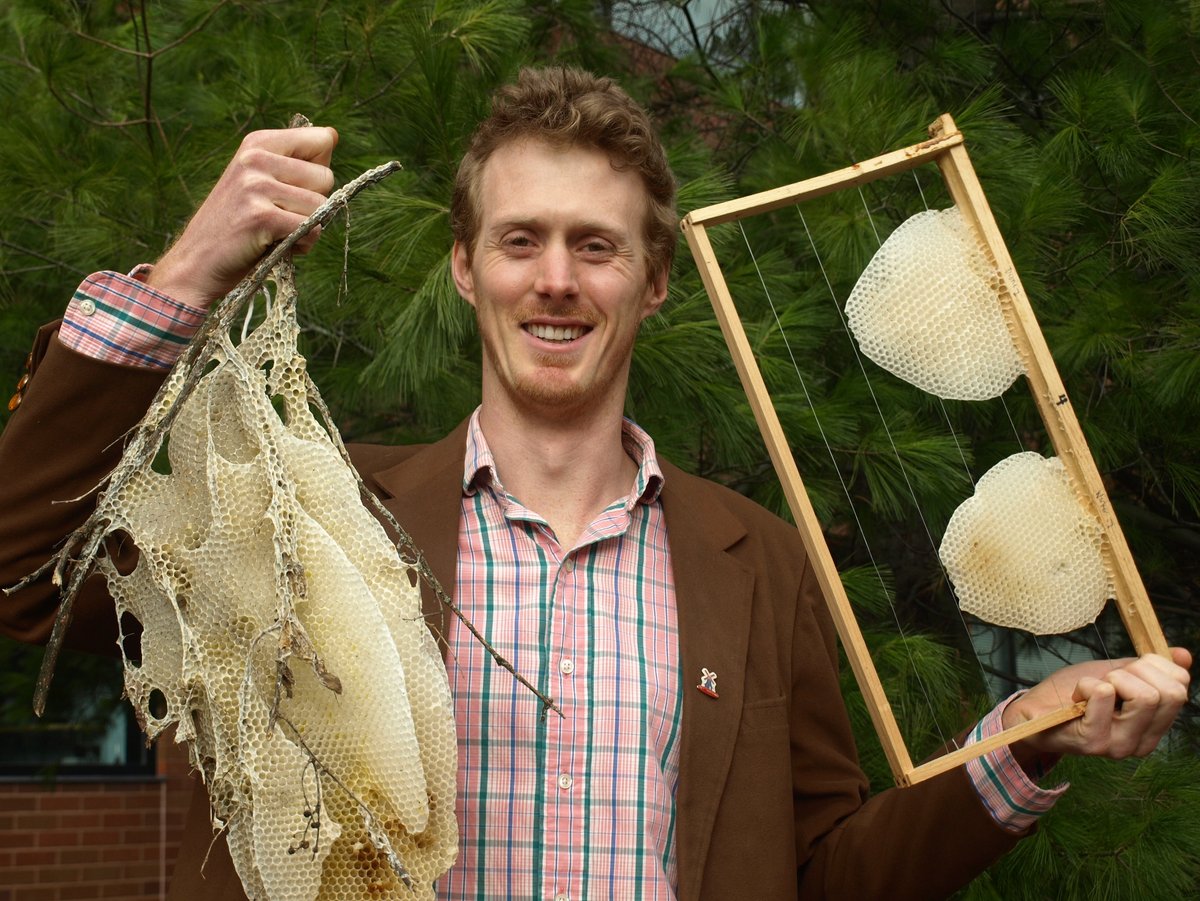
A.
pixel 150 54
pixel 411 554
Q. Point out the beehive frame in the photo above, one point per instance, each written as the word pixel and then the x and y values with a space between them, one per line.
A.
pixel 946 148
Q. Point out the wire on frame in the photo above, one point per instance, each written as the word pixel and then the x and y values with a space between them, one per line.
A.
pixel 946 148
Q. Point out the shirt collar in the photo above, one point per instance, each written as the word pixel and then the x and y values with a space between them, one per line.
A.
pixel 479 466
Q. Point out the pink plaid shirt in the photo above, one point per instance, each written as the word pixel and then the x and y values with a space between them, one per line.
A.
pixel 117 318
pixel 1011 797
pixel 583 805
pixel 561 808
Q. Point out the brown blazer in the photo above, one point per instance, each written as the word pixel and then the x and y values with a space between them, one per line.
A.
pixel 771 801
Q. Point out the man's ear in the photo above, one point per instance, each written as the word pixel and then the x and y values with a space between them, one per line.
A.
pixel 656 293
pixel 460 268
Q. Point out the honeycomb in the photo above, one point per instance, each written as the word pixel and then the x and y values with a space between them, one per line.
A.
pixel 926 309
pixel 283 637
pixel 1024 553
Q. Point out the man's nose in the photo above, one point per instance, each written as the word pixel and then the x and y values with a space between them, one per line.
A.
pixel 556 277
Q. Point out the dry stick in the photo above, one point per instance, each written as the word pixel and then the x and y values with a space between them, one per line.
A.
pixel 380 837
pixel 149 433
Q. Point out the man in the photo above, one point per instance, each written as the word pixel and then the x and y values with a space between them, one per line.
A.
pixel 704 751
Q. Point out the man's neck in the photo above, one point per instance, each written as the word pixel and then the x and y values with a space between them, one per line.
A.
pixel 565 469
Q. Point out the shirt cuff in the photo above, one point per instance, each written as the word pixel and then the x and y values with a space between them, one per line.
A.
pixel 119 319
pixel 1014 800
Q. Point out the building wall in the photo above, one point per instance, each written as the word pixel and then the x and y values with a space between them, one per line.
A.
pixel 94 838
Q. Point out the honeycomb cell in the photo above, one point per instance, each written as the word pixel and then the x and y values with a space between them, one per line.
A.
pixel 285 637
pixel 927 309
pixel 1023 553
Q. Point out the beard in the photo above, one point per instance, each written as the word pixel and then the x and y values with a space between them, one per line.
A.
pixel 553 383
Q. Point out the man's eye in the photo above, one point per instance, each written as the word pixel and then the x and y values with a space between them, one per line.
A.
pixel 595 247
pixel 518 240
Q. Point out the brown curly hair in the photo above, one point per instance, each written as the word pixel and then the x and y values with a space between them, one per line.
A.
pixel 566 106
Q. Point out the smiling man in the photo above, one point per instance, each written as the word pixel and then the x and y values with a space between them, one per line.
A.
pixel 704 751
pixel 556 263
pixel 558 253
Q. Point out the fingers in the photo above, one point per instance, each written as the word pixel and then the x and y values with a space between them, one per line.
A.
pixel 261 179
pixel 271 209
pixel 1091 733
pixel 314 143
pixel 1132 707
pixel 259 157
pixel 284 177
pixel 1152 690
pixel 1131 704
pixel 277 178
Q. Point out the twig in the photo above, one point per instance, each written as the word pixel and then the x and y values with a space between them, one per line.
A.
pixel 375 833
pixel 33 253
pixel 150 54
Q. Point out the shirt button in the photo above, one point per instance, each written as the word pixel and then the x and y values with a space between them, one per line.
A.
pixel 87 306
pixel 567 666
pixel 562 896
pixel 565 781
pixel 569 565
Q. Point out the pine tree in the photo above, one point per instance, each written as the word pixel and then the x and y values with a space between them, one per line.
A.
pixel 1081 120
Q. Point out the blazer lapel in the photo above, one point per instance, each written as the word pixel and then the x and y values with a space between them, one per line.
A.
pixel 424 493
pixel 713 594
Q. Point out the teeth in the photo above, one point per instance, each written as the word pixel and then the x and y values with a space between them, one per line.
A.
pixel 555 332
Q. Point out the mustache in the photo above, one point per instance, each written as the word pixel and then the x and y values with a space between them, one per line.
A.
pixel 573 312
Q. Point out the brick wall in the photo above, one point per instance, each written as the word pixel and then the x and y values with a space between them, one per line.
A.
pixel 95 838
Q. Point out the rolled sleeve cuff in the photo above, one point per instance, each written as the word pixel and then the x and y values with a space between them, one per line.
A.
pixel 1014 800
pixel 119 319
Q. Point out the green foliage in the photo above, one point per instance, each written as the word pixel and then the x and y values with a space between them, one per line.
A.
pixel 1128 836
pixel 1081 120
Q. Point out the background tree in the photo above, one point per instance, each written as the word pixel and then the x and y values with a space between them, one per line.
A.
pixel 1081 120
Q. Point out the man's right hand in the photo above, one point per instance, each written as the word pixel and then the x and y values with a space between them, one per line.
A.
pixel 274 182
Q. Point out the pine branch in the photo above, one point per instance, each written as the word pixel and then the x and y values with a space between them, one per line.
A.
pixel 151 54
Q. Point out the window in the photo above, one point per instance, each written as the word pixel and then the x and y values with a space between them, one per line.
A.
pixel 87 729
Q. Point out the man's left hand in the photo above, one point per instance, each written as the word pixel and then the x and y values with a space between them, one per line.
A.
pixel 1131 703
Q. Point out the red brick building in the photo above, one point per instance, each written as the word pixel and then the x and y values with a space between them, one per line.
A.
pixel 101 836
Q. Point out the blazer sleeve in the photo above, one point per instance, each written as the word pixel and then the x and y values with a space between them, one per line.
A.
pixel 920 842
pixel 63 439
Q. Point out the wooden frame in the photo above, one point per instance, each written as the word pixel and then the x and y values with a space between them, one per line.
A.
pixel 945 148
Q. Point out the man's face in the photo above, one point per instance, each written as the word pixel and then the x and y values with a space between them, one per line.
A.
pixel 558 277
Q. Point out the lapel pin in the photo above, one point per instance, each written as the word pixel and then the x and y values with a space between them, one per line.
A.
pixel 708 683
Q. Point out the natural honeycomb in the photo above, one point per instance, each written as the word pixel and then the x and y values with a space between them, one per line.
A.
pixel 1024 553
pixel 284 638
pixel 927 310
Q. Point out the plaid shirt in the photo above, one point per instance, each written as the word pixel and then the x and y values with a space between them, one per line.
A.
pixel 574 807
pixel 118 319
pixel 583 805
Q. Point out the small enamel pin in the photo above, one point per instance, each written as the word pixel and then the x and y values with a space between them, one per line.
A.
pixel 708 683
